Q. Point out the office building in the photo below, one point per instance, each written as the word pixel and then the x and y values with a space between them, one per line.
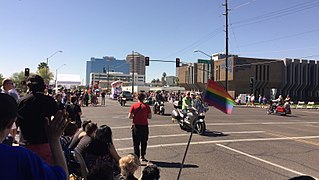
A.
pixel 104 65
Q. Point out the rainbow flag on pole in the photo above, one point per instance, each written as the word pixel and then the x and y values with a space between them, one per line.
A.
pixel 217 96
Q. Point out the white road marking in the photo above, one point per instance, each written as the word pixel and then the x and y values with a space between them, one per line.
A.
pixel 262 160
pixel 224 141
pixel 224 124
pixel 311 112
pixel 178 135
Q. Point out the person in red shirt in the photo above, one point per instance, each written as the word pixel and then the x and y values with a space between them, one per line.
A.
pixel 140 113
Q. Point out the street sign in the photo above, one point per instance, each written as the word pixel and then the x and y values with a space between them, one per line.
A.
pixel 205 61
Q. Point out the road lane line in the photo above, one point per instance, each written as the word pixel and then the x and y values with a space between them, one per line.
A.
pixel 224 141
pixel 224 124
pixel 178 135
pixel 262 160
pixel 297 140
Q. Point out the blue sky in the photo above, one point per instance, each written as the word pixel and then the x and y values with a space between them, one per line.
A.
pixel 32 30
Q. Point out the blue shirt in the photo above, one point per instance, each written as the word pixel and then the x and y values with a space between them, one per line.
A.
pixel 20 163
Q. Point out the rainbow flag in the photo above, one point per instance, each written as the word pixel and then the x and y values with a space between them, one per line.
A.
pixel 217 96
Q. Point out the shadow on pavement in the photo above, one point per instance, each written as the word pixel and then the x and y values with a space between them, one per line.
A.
pixel 172 164
pixel 214 133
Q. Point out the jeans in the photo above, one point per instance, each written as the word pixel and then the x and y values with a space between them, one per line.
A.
pixel 140 137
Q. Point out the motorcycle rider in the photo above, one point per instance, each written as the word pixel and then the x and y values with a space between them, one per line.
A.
pixel 276 102
pixel 199 104
pixel 187 103
pixel 158 99
pixel 122 95
pixel 287 103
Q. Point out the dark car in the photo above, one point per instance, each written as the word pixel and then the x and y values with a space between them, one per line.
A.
pixel 128 95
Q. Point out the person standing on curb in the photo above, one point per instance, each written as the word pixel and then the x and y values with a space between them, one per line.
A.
pixel 140 113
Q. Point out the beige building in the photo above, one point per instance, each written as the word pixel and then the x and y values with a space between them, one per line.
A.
pixel 139 63
pixel 294 77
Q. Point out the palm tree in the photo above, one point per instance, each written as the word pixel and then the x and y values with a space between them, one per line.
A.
pixel 163 79
pixel 42 65
pixel 176 80
pixel 45 74
pixel 17 78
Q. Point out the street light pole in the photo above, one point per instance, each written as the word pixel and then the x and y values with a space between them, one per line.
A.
pixel 56 77
pixel 46 69
pixel 211 62
pixel 133 68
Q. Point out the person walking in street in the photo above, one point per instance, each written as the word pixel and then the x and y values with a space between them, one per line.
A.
pixel 140 113
pixel 103 98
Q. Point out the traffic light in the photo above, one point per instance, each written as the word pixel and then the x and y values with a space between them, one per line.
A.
pixel 26 72
pixel 147 61
pixel 178 62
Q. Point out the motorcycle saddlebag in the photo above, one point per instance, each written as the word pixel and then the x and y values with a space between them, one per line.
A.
pixel 175 114
pixel 280 109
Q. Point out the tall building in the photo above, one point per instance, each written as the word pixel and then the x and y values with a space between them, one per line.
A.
pixel 139 63
pixel 104 65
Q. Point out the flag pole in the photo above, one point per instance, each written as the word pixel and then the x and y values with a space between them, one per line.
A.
pixel 188 143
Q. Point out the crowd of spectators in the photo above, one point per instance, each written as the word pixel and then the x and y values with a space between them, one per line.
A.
pixel 48 149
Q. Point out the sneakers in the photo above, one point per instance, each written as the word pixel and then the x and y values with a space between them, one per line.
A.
pixel 143 159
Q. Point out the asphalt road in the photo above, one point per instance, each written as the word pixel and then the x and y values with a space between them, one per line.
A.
pixel 248 144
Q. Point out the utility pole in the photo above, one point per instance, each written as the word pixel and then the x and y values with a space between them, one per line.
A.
pixel 108 78
pixel 133 68
pixel 226 60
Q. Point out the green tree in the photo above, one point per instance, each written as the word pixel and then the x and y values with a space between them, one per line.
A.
pixel 17 78
pixel 1 78
pixel 45 74
pixel 153 81
pixel 176 80
pixel 42 65
pixel 163 79
pixel 157 80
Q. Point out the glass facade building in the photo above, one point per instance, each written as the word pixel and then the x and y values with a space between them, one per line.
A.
pixel 104 65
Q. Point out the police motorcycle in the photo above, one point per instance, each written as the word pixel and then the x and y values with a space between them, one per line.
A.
pixel 122 100
pixel 192 119
pixel 159 107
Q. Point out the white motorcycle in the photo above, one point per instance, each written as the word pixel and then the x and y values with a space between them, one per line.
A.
pixel 191 120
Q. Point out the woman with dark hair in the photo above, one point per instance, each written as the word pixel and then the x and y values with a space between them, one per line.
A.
pixel 101 150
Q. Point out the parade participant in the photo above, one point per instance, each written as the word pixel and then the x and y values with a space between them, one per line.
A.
pixel 186 102
pixel 20 163
pixel 33 109
pixel 199 104
pixel 140 112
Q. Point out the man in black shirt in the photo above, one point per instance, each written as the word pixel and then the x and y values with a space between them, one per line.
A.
pixel 33 110
pixel 74 111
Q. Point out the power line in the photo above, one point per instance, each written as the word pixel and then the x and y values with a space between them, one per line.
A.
pixel 244 4
pixel 279 38
pixel 279 13
pixel 279 51
pixel 196 43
